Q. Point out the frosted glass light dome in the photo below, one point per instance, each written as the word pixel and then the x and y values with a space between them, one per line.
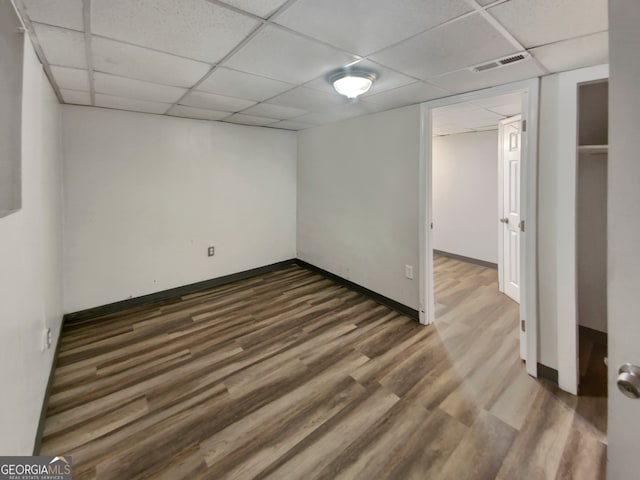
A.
pixel 352 83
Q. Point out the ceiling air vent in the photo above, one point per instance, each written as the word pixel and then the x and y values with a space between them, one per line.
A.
pixel 487 66
pixel 512 59
pixel 501 62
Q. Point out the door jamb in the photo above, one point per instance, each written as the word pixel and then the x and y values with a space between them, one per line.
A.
pixel 528 185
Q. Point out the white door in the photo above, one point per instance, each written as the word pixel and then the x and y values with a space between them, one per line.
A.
pixel 623 232
pixel 510 140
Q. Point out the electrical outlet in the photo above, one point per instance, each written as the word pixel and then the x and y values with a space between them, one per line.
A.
pixel 47 338
pixel 408 271
pixel 211 251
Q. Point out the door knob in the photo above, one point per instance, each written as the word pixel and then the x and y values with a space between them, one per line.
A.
pixel 505 220
pixel 629 380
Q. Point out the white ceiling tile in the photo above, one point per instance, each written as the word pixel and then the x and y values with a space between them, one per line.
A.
pixel 198 113
pixel 233 83
pixel 121 103
pixel 215 102
pixel 75 97
pixel 136 62
pixel 386 80
pixel 498 101
pixel 366 26
pixel 464 117
pixel 263 8
pixel 67 14
pixel 574 53
pixel 274 111
pixel 486 129
pixel 508 110
pixel 468 81
pixel 407 95
pixel 450 129
pixel 308 99
pixel 281 55
pixel 468 41
pixel 343 112
pixel 546 21
pixel 127 87
pixel 452 110
pixel 250 120
pixel 61 46
pixel 474 118
pixel 71 78
pixel 196 29
pixel 292 125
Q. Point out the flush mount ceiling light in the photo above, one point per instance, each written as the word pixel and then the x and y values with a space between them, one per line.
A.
pixel 352 82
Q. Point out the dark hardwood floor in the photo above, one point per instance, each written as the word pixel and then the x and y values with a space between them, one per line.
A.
pixel 291 376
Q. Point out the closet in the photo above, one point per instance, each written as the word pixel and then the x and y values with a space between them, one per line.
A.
pixel 591 238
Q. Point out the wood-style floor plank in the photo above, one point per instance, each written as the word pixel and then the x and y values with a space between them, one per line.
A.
pixel 289 375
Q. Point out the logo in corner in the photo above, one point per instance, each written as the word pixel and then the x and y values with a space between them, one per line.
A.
pixel 36 468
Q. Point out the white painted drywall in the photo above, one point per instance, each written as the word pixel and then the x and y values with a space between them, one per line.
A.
pixel 623 233
pixel 592 241
pixel 465 194
pixel 145 195
pixel 358 200
pixel 31 266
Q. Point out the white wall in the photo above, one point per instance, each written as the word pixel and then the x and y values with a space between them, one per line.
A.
pixel 465 194
pixel 592 241
pixel 358 200
pixel 31 266
pixel 145 195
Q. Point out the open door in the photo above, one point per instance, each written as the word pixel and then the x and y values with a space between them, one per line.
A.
pixel 622 245
pixel 510 137
pixel 509 209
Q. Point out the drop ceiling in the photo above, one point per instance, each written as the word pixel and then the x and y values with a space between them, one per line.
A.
pixel 264 62
pixel 476 116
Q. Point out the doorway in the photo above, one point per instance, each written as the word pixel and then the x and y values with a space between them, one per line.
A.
pixel 527 92
pixel 476 152
pixel 591 238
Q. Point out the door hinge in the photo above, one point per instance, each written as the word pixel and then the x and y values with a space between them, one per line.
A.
pixel 521 225
pixel 431 225
pixel 523 325
pixel 524 125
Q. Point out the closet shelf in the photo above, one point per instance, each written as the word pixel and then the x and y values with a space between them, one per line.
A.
pixel 594 149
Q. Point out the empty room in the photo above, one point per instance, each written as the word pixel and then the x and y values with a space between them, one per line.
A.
pixel 337 239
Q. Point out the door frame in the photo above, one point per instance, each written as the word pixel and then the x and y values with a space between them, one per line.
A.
pixel 528 208
pixel 566 215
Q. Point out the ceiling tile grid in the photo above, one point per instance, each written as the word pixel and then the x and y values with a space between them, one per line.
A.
pixel 468 41
pixel 197 113
pixel 131 88
pixel 376 23
pixel 234 83
pixel 266 63
pixel 195 29
pixel 476 116
pixel 140 63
